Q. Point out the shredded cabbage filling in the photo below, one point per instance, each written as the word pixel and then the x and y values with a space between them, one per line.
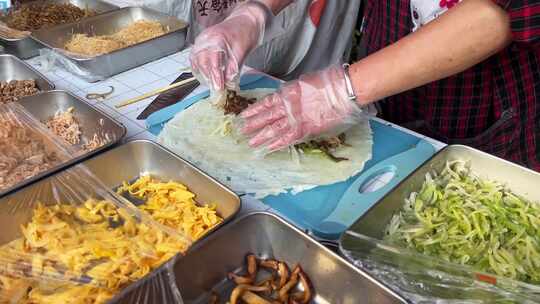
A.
pixel 465 219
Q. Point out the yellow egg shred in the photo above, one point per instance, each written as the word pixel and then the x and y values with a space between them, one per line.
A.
pixel 173 205
pixel 87 253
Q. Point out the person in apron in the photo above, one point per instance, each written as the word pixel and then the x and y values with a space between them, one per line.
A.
pixel 464 72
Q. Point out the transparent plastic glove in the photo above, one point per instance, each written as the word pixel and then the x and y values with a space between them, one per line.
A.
pixel 316 105
pixel 219 51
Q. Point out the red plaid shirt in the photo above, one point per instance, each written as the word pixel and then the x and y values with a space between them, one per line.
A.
pixel 493 106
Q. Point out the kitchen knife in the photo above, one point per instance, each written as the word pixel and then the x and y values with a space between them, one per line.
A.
pixel 170 97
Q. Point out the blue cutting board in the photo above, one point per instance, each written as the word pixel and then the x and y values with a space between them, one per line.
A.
pixel 327 211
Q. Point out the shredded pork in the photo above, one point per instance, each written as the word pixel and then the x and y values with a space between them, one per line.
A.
pixel 95 143
pixel 66 126
pixel 23 152
pixel 13 90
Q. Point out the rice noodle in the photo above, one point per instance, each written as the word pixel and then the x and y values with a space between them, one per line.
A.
pixel 135 33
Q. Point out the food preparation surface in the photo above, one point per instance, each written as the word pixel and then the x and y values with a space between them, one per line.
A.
pixel 161 73
pixel 328 210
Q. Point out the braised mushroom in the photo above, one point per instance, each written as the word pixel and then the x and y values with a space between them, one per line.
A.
pixel 305 296
pixel 252 298
pixel 239 279
pixel 270 264
pixel 240 290
pixel 277 288
pixel 252 272
pixel 252 267
pixel 283 272
pixel 284 291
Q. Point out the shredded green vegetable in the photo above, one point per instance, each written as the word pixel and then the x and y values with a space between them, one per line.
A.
pixel 464 219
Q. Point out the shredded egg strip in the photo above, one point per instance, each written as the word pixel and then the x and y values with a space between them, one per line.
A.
pixel 81 254
pixel 173 205
pixel 63 244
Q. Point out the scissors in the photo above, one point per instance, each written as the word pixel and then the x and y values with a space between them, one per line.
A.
pixel 100 96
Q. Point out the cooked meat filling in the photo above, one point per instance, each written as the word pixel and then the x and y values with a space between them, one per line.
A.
pixel 37 15
pixel 13 90
pixel 65 125
pixel 235 104
pixel 23 153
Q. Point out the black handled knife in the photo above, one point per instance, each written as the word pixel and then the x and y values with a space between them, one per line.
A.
pixel 170 97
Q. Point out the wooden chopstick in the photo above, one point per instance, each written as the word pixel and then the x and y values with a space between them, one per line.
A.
pixel 156 92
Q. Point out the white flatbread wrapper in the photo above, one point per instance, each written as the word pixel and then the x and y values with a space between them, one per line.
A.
pixel 196 134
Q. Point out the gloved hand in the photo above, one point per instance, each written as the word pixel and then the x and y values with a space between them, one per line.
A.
pixel 219 51
pixel 313 106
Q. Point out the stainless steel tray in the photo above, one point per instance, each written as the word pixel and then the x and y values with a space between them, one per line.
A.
pixel 124 59
pixel 521 180
pixel 43 106
pixel 124 163
pixel 12 68
pixel 204 268
pixel 27 47
pixel 373 223
pixel 127 162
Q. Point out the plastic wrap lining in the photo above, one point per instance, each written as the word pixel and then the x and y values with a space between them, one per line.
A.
pixel 51 58
pixel 423 279
pixel 27 147
pixel 70 239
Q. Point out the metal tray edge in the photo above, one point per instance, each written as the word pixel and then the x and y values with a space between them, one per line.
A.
pixel 78 59
pixel 73 161
pixel 225 221
pixel 202 241
pixel 15 40
pixel 52 87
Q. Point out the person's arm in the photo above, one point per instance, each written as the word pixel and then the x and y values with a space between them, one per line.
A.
pixel 318 103
pixel 462 37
